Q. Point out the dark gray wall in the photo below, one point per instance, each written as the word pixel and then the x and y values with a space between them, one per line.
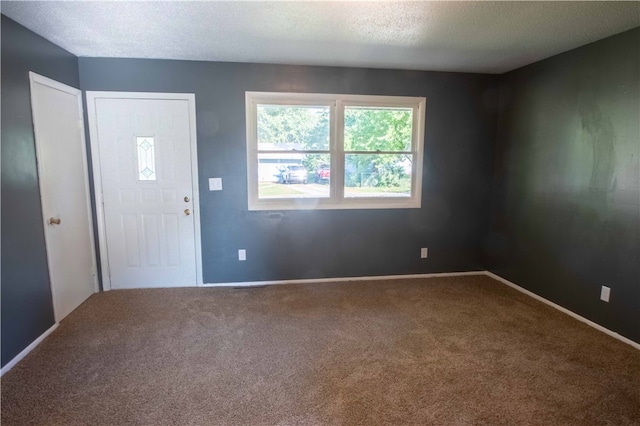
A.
pixel 27 309
pixel 566 211
pixel 565 215
pixel 460 132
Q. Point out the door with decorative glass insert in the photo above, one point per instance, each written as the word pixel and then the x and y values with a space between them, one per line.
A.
pixel 145 149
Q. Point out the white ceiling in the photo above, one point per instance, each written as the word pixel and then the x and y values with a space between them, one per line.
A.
pixel 491 37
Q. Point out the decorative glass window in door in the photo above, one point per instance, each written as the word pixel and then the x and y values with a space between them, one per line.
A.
pixel 146 158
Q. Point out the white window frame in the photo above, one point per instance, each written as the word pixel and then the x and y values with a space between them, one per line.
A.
pixel 336 104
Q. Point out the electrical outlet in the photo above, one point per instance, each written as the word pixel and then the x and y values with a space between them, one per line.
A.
pixel 424 252
pixel 605 292
pixel 242 254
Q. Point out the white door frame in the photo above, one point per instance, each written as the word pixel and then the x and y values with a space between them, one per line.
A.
pixel 97 172
pixel 42 80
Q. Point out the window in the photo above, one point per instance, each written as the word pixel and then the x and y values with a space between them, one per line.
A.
pixel 317 151
pixel 146 158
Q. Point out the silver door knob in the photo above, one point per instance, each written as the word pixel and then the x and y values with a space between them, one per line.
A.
pixel 186 199
pixel 187 212
pixel 54 221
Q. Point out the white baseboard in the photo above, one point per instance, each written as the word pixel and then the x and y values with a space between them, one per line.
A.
pixel 26 350
pixel 334 280
pixel 564 310
pixel 580 318
pixel 444 274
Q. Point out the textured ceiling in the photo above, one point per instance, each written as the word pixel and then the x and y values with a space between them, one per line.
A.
pixel 492 37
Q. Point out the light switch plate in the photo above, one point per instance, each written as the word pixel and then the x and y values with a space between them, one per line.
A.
pixel 215 184
pixel 242 254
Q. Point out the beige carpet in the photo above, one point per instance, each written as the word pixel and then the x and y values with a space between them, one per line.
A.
pixel 465 350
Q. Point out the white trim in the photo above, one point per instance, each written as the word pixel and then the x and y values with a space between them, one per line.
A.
pixel 92 96
pixel 433 275
pixel 420 123
pixel 598 327
pixel 336 104
pixel 195 186
pixel 26 350
pixel 97 190
pixel 44 81
pixel 337 145
pixel 564 310
pixel 343 279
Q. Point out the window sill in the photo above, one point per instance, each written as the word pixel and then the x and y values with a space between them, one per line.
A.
pixel 320 204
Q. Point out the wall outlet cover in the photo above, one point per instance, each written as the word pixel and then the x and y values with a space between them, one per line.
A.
pixel 242 254
pixel 424 252
pixel 605 292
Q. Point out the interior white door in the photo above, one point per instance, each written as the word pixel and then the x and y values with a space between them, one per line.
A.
pixel 62 173
pixel 147 189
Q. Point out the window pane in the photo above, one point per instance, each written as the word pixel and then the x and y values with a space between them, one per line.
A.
pixel 287 127
pixel 146 158
pixel 377 129
pixel 293 175
pixel 377 175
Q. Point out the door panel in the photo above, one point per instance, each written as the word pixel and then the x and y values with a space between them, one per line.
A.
pixel 62 170
pixel 145 163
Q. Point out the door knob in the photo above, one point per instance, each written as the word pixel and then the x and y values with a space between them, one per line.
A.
pixel 187 212
pixel 54 221
pixel 186 199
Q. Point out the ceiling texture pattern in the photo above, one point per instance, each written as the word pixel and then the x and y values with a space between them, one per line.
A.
pixel 487 37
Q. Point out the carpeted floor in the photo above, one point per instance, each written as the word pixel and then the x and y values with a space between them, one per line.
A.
pixel 463 350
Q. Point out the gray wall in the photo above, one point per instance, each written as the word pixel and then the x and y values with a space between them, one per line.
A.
pixel 566 201
pixel 565 216
pixel 27 309
pixel 460 132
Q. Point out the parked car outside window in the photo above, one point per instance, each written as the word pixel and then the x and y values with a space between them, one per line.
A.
pixel 294 174
pixel 322 174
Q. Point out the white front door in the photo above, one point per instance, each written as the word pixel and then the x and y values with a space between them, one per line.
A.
pixel 62 173
pixel 146 153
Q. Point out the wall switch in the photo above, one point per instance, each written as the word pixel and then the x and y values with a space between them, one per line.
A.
pixel 242 254
pixel 424 252
pixel 605 292
pixel 215 184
